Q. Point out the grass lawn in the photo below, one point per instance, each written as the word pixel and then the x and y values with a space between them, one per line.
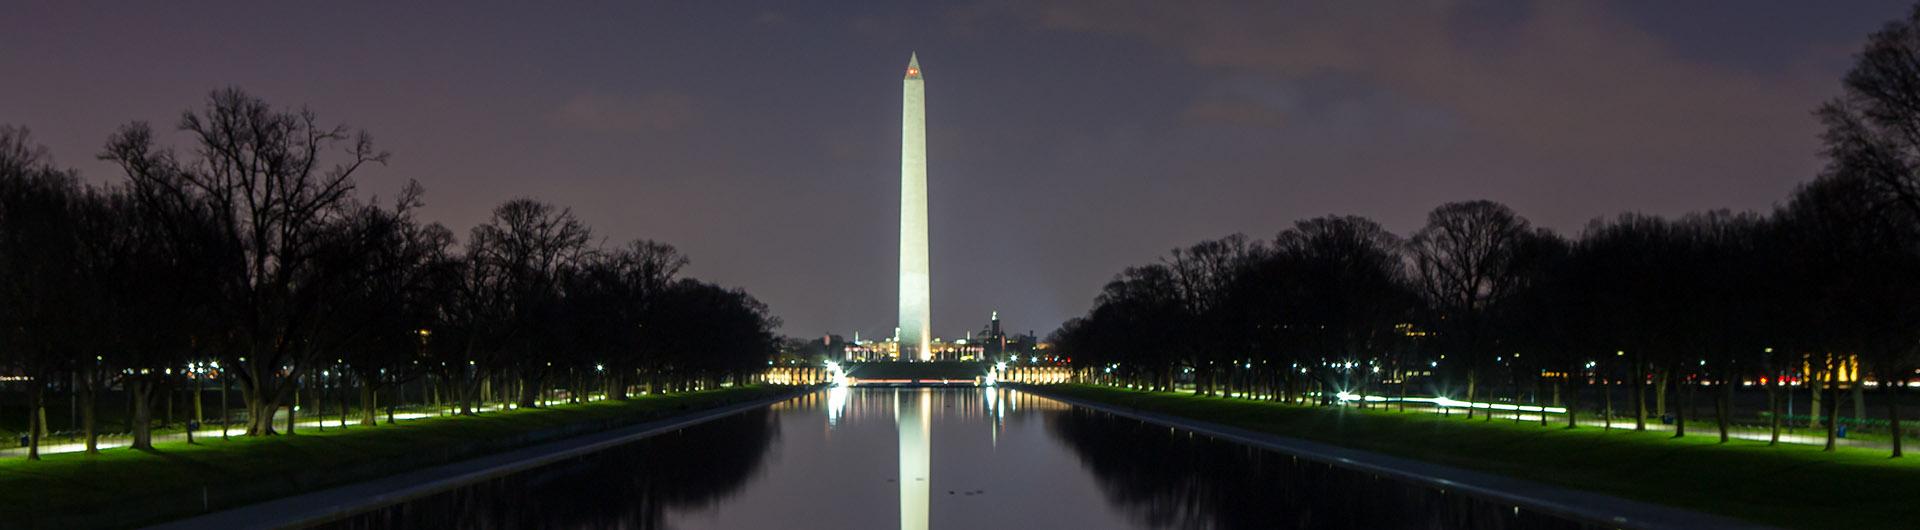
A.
pixel 1788 485
pixel 122 487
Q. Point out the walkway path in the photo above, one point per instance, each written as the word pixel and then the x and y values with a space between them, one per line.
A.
pixel 332 421
pixel 1736 431
pixel 1693 429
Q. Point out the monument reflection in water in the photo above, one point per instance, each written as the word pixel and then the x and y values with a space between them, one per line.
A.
pixel 913 420
pixel 916 458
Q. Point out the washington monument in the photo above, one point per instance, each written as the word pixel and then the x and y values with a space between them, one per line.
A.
pixel 915 320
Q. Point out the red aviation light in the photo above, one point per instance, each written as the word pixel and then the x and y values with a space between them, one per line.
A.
pixel 913 72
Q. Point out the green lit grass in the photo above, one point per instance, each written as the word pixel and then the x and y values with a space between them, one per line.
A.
pixel 122 487
pixel 1788 485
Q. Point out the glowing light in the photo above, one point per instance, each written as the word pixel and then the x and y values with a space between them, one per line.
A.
pixel 836 404
pixel 836 376
pixel 1451 403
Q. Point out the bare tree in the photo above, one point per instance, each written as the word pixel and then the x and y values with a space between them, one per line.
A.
pixel 1873 128
pixel 1204 274
pixel 1463 262
pixel 527 247
pixel 263 175
pixel 1861 255
pixel 1348 290
pixel 39 261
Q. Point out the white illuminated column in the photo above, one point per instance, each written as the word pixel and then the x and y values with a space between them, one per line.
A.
pixel 915 282
pixel 912 417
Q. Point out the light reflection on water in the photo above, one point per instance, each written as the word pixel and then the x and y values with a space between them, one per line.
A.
pixel 940 458
pixel 914 422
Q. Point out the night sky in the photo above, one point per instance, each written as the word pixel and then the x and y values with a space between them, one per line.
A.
pixel 1066 140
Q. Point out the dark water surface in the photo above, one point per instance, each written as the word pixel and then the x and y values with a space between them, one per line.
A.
pixel 942 458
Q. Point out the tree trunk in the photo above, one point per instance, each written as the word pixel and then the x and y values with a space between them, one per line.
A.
pixel 369 403
pixel 1773 407
pixel 1404 376
pixel 1833 418
pixel 1684 393
pixel 293 405
pixel 224 413
pixel 1543 408
pixel 36 394
pixel 1513 385
pixel 1473 380
pixel 1661 377
pixel 1573 399
pixel 89 392
pixel 199 414
pixel 530 394
pixel 1893 413
pixel 1723 406
pixel 1606 394
pixel 142 395
pixel 1816 386
pixel 1286 389
pixel 1639 396
pixel 319 399
pixel 1859 398
pixel 466 390
pixel 263 397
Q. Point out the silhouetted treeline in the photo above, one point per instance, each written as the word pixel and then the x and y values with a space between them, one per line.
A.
pixel 1480 301
pixel 250 258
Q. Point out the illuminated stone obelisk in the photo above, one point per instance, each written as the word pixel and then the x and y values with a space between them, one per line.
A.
pixel 915 283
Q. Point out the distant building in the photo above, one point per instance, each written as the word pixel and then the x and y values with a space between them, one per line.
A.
pixel 992 343
pixel 997 345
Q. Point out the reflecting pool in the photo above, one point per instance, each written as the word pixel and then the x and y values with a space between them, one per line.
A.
pixel 915 458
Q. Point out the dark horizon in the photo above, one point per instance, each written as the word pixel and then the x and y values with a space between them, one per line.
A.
pixel 1066 141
